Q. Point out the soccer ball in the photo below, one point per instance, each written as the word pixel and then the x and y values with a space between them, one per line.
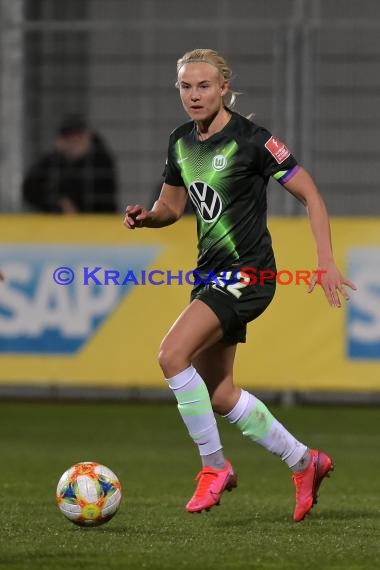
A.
pixel 88 494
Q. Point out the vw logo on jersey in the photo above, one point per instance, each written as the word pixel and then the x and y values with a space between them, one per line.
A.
pixel 206 200
pixel 219 162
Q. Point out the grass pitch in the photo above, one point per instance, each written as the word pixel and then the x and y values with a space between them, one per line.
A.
pixel 149 449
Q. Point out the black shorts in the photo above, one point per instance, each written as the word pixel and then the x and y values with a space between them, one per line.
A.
pixel 234 302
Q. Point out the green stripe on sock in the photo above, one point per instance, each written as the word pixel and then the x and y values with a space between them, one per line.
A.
pixel 258 422
pixel 195 402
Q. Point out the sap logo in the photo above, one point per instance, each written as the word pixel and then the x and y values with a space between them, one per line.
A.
pixel 39 316
pixel 206 200
pixel 363 323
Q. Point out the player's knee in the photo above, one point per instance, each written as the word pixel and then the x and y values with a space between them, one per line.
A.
pixel 171 360
pixel 163 360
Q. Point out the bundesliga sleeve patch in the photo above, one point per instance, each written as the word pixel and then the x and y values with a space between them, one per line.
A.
pixel 277 149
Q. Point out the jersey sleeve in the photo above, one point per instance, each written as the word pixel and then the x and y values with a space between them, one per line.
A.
pixel 171 173
pixel 275 158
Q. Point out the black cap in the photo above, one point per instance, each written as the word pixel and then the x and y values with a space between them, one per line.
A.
pixel 74 123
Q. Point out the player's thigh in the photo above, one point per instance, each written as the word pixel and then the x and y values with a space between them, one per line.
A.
pixel 196 329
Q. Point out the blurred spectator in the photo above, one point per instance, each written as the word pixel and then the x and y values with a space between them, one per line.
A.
pixel 78 175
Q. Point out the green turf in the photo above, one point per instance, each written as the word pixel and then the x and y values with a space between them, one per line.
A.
pixel 148 447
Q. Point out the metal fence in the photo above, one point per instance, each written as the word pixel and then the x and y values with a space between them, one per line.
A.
pixel 309 70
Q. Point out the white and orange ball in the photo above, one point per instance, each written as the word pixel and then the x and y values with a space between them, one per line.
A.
pixel 88 494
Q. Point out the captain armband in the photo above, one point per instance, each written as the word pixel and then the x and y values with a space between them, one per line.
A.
pixel 283 176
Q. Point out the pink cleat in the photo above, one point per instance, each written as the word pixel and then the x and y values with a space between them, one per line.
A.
pixel 308 481
pixel 211 485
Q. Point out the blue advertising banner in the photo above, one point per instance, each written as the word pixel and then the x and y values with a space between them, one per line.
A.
pixel 363 315
pixel 55 297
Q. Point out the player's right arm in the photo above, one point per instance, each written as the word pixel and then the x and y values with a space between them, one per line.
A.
pixel 165 211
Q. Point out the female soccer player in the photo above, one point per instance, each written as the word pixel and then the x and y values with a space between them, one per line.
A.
pixel 223 162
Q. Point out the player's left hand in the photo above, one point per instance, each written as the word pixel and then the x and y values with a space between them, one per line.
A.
pixel 333 284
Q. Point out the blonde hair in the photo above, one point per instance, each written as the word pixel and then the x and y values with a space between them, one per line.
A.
pixel 212 57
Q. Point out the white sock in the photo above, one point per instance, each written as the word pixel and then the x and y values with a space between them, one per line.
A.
pixel 254 419
pixel 194 405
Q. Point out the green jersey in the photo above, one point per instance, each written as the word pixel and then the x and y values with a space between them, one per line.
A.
pixel 226 177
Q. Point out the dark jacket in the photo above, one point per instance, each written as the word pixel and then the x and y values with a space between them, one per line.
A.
pixel 89 182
